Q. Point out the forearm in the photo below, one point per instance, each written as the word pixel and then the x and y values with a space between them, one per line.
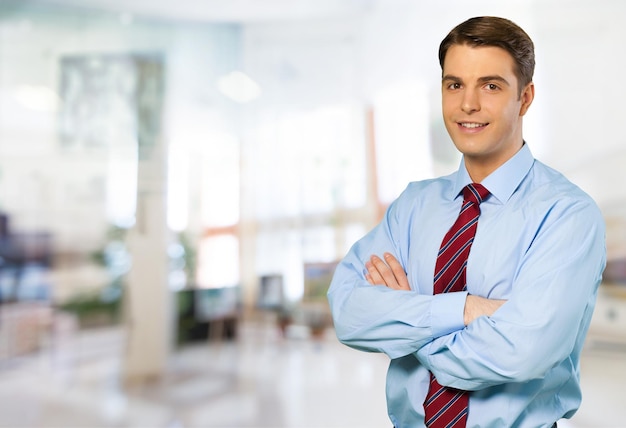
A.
pixel 379 320
pixel 396 322
pixel 543 321
pixel 476 306
pixel 496 350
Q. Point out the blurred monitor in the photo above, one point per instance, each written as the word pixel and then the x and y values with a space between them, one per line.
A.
pixel 271 293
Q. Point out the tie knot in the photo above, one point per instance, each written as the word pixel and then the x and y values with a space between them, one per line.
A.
pixel 475 193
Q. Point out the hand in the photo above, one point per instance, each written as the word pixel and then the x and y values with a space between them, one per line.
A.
pixel 388 272
pixel 476 306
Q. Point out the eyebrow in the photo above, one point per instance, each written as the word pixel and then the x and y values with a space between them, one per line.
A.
pixel 484 79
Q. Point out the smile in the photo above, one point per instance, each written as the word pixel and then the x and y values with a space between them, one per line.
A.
pixel 472 125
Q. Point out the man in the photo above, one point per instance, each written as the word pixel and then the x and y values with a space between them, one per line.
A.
pixel 503 337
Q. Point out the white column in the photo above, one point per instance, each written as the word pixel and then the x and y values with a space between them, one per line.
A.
pixel 149 314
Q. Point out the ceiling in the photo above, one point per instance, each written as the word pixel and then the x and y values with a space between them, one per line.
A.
pixel 242 11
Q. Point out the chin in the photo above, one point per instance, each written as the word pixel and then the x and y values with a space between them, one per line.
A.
pixel 467 147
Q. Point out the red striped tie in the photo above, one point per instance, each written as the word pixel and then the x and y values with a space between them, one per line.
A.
pixel 448 407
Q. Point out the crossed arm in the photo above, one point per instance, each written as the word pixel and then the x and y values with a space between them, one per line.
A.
pixel 550 301
pixel 389 273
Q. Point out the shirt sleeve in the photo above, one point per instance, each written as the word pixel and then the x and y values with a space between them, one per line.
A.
pixel 379 319
pixel 546 315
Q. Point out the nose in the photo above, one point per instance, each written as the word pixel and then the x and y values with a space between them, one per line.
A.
pixel 470 102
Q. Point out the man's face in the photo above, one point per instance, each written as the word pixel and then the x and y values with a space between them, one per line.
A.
pixel 482 108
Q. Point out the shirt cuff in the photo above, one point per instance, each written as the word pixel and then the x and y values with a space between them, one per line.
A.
pixel 446 311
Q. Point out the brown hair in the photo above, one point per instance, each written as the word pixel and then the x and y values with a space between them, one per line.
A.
pixel 497 32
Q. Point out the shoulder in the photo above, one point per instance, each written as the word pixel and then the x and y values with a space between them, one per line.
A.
pixel 550 189
pixel 429 190
pixel 421 195
pixel 432 185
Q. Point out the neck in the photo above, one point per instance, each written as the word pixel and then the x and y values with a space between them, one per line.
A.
pixel 479 167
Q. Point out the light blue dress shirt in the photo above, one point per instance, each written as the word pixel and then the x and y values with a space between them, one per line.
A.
pixel 540 245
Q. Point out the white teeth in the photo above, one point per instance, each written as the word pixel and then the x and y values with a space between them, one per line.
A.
pixel 472 125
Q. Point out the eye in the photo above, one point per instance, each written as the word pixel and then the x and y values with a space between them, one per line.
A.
pixel 454 85
pixel 492 86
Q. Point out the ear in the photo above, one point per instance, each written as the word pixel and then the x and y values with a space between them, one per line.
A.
pixel 526 97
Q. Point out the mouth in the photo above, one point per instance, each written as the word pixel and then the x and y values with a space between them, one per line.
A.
pixel 473 126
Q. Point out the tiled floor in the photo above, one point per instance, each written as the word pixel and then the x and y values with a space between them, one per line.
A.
pixel 261 380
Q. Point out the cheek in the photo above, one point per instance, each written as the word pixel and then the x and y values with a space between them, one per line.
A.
pixel 448 112
pixel 448 121
pixel 448 103
pixel 512 111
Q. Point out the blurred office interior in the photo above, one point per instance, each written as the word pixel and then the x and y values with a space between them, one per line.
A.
pixel 178 179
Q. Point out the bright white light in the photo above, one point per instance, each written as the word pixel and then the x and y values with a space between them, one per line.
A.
pixel 218 262
pixel 239 87
pixel 38 98
pixel 220 188
pixel 121 187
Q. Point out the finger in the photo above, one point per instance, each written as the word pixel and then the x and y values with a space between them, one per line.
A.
pixel 371 281
pixel 373 276
pixel 398 271
pixel 385 272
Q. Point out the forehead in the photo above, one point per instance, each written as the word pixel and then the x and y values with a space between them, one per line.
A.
pixel 470 62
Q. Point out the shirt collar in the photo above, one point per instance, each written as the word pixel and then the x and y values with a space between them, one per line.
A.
pixel 504 180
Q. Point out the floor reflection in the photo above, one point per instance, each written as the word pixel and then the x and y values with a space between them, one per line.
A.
pixel 259 380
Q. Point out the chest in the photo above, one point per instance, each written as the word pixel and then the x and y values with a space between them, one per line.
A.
pixel 503 237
